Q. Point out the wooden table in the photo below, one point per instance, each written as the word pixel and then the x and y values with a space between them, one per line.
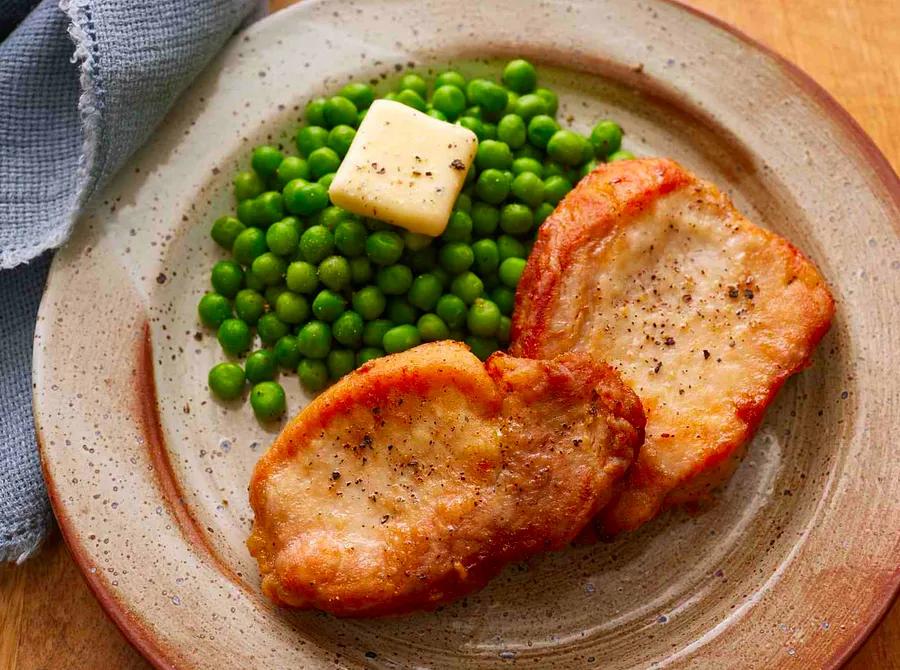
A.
pixel 49 619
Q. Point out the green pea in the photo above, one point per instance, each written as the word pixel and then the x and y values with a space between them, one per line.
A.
pixel 367 354
pixel 302 277
pixel 528 188
pixel 249 305
pixel 267 400
pixel 287 352
pixel 456 257
pixel 503 330
pixel 271 206
pixel 492 186
pixel 505 299
pixel 266 159
pixel 253 282
pixel 309 139
pixel 423 260
pixel 305 198
pixel 394 279
pixel 511 131
pixel 282 237
pixel 516 219
pixel 587 168
pixel 540 129
pixel 247 185
pixel 606 138
pixel 459 228
pixel 529 106
pixel 340 362
pixel 248 245
pixel 413 82
pixel 510 247
pixel 474 124
pixel 463 203
pixel 566 147
pixel 553 169
pixel 227 277
pixel 373 331
pixel 450 78
pixel 292 308
pixel 529 151
pixel 314 339
pixel 412 99
pixel 432 328
pixel 555 188
pixel 340 138
pixel 269 268
pixel 550 100
pixel 488 95
pixel 449 100
pixel 511 271
pixel 493 154
pixel 226 380
pixel 313 374
pixel 485 219
pixel 316 244
pixel 360 270
pixel 452 310
pixel 332 216
pixel 315 112
pixel 292 167
pixel 361 95
pixel 467 286
pixel 482 347
pixel 323 161
pixel 338 111
pixel 384 247
pixel 325 180
pixel 271 328
pixel 487 257
pixel 416 241
pixel 436 114
pixel 483 318
pixel 369 302
pixel 328 305
pixel 225 230
pixel 527 165
pixel 425 291
pixel 347 329
pixel 272 292
pixel 249 214
pixel 401 338
pixel 234 336
pixel 490 130
pixel 400 311
pixel 520 76
pixel 260 366
pixel 213 309
pixel 350 238
pixel 334 272
pixel 620 155
pixel 541 212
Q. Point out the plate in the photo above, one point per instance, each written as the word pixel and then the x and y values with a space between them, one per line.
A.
pixel 791 567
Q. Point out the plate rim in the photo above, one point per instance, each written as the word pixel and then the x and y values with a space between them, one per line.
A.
pixel 161 658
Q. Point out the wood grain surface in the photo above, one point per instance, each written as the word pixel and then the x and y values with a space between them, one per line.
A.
pixel 48 617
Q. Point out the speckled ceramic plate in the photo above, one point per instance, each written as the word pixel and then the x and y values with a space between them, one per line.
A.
pixel 791 568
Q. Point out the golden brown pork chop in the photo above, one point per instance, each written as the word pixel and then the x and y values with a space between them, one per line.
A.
pixel 702 312
pixel 416 478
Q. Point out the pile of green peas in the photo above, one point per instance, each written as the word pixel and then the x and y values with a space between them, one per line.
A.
pixel 326 290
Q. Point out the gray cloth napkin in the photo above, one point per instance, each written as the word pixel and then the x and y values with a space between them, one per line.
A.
pixel 83 83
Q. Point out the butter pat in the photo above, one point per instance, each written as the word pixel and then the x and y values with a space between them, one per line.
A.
pixel 404 167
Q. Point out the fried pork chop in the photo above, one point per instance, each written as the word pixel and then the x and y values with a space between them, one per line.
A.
pixel 415 479
pixel 702 312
